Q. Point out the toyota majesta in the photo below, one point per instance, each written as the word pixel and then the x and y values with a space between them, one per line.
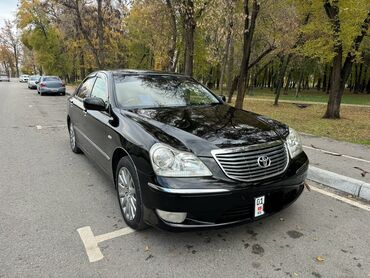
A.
pixel 178 155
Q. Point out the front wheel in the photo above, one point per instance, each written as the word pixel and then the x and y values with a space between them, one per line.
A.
pixel 72 139
pixel 129 194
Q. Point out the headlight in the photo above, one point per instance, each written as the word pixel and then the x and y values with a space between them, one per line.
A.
pixel 294 143
pixel 169 162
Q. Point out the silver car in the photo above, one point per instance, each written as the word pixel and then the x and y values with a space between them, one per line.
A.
pixel 32 81
pixel 4 77
pixel 50 85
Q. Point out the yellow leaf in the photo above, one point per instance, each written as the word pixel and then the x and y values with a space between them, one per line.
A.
pixel 320 259
pixel 147 248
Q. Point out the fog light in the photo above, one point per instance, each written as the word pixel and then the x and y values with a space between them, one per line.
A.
pixel 174 217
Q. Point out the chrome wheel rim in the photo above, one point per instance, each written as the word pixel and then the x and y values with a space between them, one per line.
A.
pixel 127 193
pixel 72 137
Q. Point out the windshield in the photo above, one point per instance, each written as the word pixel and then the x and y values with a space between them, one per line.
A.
pixel 151 91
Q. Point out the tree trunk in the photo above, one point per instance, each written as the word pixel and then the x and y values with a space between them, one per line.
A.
pixel 280 79
pixel 299 83
pixel 100 34
pixel 189 30
pixel 337 88
pixel 249 26
pixel 324 80
pixel 171 66
pixel 230 69
pixel 288 82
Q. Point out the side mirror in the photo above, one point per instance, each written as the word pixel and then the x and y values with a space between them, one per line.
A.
pixel 223 98
pixel 95 103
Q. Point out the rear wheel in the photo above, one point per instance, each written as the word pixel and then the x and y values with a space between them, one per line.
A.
pixel 72 139
pixel 129 194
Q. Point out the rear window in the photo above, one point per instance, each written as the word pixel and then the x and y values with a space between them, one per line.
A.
pixel 51 78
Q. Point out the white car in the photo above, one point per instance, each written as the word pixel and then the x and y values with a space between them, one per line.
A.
pixel 24 78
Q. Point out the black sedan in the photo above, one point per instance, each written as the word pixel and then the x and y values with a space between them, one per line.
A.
pixel 178 155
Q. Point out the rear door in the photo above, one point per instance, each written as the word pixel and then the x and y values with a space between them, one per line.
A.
pixel 98 127
pixel 78 113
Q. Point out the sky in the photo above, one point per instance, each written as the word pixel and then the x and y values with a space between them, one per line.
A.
pixel 7 10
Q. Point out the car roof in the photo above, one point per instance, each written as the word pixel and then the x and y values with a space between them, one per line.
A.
pixel 143 72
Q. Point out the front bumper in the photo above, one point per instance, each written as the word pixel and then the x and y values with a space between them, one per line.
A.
pixel 217 200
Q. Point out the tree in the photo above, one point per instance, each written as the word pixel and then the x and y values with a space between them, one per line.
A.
pixel 341 71
pixel 10 40
pixel 249 26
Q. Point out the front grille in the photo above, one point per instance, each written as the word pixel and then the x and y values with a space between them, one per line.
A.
pixel 242 163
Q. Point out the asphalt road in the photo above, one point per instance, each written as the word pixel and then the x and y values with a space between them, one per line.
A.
pixel 47 193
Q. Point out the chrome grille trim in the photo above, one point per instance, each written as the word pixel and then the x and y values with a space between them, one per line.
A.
pixel 241 163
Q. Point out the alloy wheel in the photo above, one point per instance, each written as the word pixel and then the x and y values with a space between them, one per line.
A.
pixel 127 193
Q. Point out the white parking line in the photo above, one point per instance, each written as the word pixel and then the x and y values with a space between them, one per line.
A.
pixel 91 242
pixel 341 198
pixel 336 154
pixel 50 126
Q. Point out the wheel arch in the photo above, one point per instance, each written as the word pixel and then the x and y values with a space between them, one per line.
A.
pixel 118 154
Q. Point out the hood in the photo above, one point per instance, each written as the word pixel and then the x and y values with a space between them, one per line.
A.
pixel 202 129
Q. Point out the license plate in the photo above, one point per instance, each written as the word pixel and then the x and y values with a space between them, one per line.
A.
pixel 259 203
pixel 54 90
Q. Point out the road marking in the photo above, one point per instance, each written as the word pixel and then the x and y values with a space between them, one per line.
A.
pixel 50 126
pixel 336 154
pixel 91 246
pixel 341 198
pixel 91 242
pixel 114 234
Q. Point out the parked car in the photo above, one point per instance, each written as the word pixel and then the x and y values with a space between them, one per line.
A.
pixel 32 81
pixel 50 85
pixel 4 77
pixel 178 155
pixel 23 78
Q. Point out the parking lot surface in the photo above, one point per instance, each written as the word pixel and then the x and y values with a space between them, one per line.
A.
pixel 47 193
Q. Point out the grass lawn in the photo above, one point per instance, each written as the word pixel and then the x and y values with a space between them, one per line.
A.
pixel 310 95
pixel 353 127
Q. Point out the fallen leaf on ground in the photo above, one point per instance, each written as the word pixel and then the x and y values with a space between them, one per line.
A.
pixel 281 219
pixel 147 248
pixel 320 259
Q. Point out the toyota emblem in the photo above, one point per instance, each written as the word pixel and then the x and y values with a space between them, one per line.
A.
pixel 263 161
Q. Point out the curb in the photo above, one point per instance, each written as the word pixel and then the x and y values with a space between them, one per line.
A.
pixel 355 187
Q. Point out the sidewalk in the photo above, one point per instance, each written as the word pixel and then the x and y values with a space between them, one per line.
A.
pixel 337 156
pixel 341 165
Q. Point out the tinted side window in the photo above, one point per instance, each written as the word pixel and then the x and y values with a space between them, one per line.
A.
pixel 100 89
pixel 85 88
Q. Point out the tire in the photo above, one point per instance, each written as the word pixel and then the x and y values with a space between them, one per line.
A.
pixel 73 140
pixel 41 93
pixel 63 94
pixel 129 194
